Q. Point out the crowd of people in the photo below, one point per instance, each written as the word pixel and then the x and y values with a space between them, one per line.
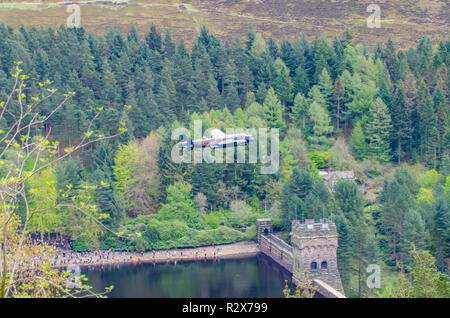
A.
pixel 62 255
pixel 65 257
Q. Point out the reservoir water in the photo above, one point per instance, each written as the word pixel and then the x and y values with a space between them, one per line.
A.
pixel 257 276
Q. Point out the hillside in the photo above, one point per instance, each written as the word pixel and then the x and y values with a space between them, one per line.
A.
pixel 90 125
pixel 405 21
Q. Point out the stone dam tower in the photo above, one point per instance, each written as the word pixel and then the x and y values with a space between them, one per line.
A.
pixel 313 251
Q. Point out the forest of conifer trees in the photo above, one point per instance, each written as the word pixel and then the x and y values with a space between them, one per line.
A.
pixel 337 105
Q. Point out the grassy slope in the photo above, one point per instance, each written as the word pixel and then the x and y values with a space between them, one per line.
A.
pixel 406 21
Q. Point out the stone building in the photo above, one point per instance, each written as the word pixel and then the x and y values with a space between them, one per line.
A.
pixel 330 177
pixel 314 251
pixel 264 227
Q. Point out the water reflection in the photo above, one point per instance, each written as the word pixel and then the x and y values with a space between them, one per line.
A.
pixel 249 277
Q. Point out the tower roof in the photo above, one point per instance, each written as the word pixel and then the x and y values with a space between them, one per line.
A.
pixel 324 227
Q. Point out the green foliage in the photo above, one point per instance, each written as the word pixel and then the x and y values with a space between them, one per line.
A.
pixel 303 197
pixel 151 233
pixel 320 158
pixel 425 195
pixel 299 112
pixel 126 157
pixel 413 232
pixel 349 200
pixel 81 246
pixel 441 228
pixel 426 281
pixel 283 84
pixel 358 142
pixel 392 102
pixel 251 233
pixel 287 160
pixel 180 205
pixel 213 220
pixel 42 188
pixel 273 110
pixel 340 157
pixel 378 130
pixel 321 128
pixel 304 289
pixel 429 179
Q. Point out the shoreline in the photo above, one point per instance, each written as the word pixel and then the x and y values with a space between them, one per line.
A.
pixel 222 251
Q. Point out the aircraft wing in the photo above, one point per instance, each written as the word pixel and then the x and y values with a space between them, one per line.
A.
pixel 217 133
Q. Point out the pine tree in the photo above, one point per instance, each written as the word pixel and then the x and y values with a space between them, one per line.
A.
pixel 109 84
pixel 427 126
pixel 245 83
pixel 441 228
pixel 358 142
pixel 154 39
pixel 385 87
pixel 441 117
pixel 287 54
pixel 294 193
pixel 266 71
pixel 205 179
pixel 261 93
pixel 345 251
pixel 299 112
pixel 413 231
pixel 106 198
pixel 390 58
pixel 315 95
pixel 378 132
pixel 122 72
pixel 229 94
pixel 325 85
pixel 346 38
pixel 273 49
pixel 321 128
pixel 283 84
pixel 140 114
pixel 213 99
pixel 397 200
pixel 69 176
pixel 165 107
pixel 167 81
pixel 301 81
pixel 412 110
pixel 169 46
pixel 349 200
pixel 319 56
pixel 274 110
pixel 339 93
pixel 401 121
pixel 338 66
pixel 103 157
